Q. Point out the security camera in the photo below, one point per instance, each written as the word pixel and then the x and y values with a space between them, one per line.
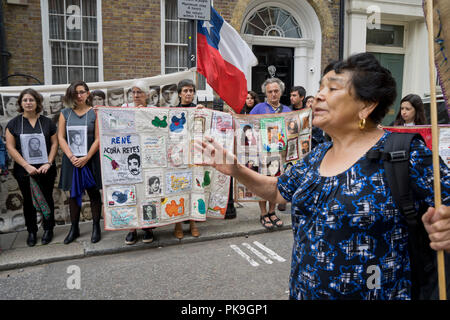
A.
pixel 311 69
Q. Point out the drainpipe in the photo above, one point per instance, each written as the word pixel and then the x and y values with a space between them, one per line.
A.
pixel 341 28
pixel 4 55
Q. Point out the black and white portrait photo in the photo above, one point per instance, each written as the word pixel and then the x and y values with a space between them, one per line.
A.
pixel 77 138
pixel 116 97
pixel 134 164
pixel 34 149
pixel 34 146
pixel 154 185
pixel 169 96
pixel 149 212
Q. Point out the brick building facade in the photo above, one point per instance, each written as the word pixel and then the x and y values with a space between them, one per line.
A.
pixel 137 39
pixel 132 36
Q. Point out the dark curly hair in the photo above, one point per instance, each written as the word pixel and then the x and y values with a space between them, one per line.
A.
pixel 36 95
pixel 371 82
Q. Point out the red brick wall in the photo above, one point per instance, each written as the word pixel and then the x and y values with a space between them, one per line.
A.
pixel 132 36
pixel 23 32
pixel 131 39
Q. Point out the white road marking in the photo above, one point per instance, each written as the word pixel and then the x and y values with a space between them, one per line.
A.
pixel 257 253
pixel 271 253
pixel 244 255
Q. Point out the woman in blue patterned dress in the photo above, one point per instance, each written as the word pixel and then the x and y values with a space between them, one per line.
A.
pixel 345 222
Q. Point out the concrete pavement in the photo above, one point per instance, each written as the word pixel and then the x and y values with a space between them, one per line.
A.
pixel 16 254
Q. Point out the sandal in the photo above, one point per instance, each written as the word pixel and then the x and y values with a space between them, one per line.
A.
pixel 266 223
pixel 277 221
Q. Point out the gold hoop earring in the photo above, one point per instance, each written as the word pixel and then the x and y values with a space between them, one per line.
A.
pixel 362 124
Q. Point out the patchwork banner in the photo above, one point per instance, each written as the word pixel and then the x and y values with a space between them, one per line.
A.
pixel 270 144
pixel 148 162
pixel 163 92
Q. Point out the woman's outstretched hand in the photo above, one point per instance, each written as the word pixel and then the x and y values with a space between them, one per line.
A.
pixel 216 156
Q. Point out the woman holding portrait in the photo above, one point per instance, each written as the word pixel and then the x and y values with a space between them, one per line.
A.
pixel 79 115
pixel 34 169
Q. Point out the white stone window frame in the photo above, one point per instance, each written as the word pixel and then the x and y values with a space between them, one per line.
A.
pixel 388 49
pixel 46 42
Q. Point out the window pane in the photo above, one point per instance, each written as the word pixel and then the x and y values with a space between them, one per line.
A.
pixel 90 29
pixel 183 31
pixel 264 14
pixel 90 54
pixel 171 56
pixel 75 74
pixel 183 57
pixel 272 14
pixel 274 22
pixel 387 35
pixel 56 6
pixel 89 8
pixel 73 3
pixel 73 28
pixel 171 70
pixel 56 27
pixel 171 9
pixel 59 75
pixel 172 31
pixel 73 20
pixel 74 54
pixel 251 29
pixel 90 74
pixel 58 53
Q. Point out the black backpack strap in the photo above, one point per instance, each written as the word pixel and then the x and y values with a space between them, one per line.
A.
pixel 395 158
pixel 397 149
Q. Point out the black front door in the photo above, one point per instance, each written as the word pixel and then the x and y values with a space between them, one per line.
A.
pixel 273 62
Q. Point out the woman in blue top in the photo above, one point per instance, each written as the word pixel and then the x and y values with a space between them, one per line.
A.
pixel 344 219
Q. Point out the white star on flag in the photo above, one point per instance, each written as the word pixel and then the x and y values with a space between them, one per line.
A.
pixel 208 26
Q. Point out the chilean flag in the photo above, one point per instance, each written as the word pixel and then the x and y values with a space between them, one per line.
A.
pixel 224 59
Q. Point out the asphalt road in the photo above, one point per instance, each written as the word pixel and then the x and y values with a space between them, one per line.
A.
pixel 217 270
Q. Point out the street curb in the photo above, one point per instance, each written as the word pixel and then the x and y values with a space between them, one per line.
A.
pixel 87 251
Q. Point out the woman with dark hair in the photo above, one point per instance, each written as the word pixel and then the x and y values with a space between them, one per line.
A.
pixel 251 101
pixel 344 218
pixel 411 111
pixel 34 167
pixel 79 114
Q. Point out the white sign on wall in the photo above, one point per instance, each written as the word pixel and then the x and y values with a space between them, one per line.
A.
pixel 194 9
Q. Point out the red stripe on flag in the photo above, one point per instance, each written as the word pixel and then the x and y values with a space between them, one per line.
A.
pixel 228 81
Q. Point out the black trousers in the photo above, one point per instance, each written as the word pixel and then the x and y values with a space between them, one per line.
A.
pixel 46 183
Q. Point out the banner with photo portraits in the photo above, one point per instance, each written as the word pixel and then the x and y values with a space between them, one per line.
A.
pixel 270 144
pixel 149 171
pixel 162 89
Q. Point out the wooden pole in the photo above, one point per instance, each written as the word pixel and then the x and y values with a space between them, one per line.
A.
pixel 435 141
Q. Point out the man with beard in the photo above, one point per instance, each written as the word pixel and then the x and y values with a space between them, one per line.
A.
pixel 134 164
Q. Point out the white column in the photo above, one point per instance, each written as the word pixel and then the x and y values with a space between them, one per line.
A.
pixel 356 31
pixel 301 67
